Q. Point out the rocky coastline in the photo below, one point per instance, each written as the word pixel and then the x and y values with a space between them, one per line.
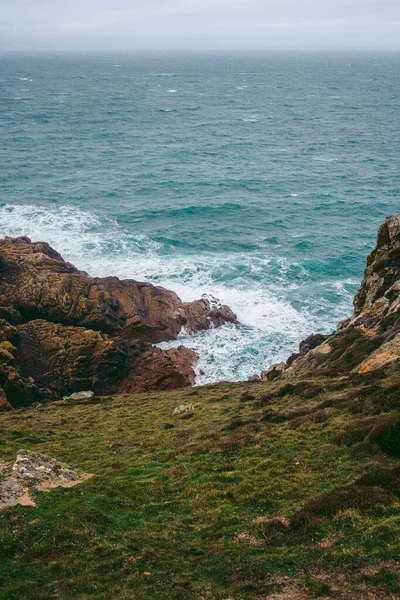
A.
pixel 290 483
pixel 62 331
pixel 370 338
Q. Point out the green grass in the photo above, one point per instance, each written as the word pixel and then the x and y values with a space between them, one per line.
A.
pixel 162 516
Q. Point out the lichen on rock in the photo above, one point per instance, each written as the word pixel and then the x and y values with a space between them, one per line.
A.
pixel 33 471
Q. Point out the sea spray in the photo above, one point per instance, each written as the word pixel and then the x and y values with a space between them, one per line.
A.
pixel 257 286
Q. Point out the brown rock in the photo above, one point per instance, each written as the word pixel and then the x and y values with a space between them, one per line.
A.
pixel 38 283
pixel 382 272
pixel 4 404
pixel 385 354
pixel 153 369
pixel 62 331
pixel 273 372
pixel 55 360
pixel 68 359
pixel 200 315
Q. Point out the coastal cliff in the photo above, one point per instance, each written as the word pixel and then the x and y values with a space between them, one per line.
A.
pixel 283 487
pixel 370 338
pixel 63 331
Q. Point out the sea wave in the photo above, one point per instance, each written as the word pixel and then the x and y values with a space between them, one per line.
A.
pixel 256 285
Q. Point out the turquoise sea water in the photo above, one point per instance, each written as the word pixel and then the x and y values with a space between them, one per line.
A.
pixel 257 179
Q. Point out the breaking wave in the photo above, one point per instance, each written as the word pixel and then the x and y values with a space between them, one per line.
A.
pixel 273 312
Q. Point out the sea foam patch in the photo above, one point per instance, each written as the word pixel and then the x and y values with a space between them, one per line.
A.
pixel 257 286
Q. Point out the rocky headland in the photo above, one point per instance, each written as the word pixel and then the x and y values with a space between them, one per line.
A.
pixel 370 339
pixel 286 486
pixel 63 331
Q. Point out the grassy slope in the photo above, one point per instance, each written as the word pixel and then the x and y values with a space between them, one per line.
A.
pixel 163 515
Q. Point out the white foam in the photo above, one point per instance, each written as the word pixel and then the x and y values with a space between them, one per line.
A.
pixel 171 91
pixel 294 195
pixel 322 159
pixel 24 79
pixel 270 326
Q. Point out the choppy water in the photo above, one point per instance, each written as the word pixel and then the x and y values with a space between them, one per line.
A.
pixel 257 179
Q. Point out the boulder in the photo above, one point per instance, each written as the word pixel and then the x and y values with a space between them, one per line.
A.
pixel 34 471
pixel 151 369
pixel 273 372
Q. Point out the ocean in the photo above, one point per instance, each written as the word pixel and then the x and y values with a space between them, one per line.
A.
pixel 256 179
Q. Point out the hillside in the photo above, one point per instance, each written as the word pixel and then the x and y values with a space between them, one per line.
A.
pixel 287 487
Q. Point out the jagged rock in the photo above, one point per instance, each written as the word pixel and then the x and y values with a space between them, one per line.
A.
pixel 152 369
pixel 68 359
pixel 39 284
pixel 56 360
pixel 273 372
pixel 306 345
pixel 34 467
pixel 379 290
pixel 62 331
pixel 201 315
pixel 16 389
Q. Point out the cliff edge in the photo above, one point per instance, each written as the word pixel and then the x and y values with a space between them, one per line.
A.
pixel 370 338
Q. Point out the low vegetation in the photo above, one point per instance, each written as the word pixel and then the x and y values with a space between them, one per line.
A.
pixel 261 490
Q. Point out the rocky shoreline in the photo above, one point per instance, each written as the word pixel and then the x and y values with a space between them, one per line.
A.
pixel 370 338
pixel 62 331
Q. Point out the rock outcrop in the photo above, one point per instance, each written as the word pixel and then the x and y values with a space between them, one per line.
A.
pixel 33 471
pixel 63 331
pixel 370 339
pixel 36 283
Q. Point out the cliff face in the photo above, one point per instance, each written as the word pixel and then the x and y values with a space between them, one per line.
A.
pixel 37 283
pixel 368 340
pixel 63 331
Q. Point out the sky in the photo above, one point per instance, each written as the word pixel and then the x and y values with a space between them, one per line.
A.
pixel 84 25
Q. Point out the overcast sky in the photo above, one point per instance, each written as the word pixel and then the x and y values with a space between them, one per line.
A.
pixel 199 24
